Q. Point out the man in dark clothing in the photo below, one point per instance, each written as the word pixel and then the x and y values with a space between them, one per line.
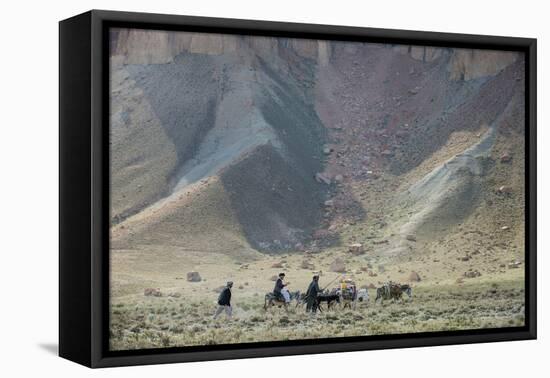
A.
pixel 279 285
pixel 224 301
pixel 311 295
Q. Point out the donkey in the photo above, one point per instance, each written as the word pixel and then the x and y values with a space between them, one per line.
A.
pixel 393 291
pixel 330 300
pixel 271 300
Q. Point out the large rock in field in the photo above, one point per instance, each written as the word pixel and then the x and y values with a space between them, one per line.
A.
pixel 194 277
pixel 505 157
pixel 504 190
pixel 356 248
pixel 152 292
pixel 472 273
pixel 414 277
pixel 338 266
pixel 411 237
pixel 322 178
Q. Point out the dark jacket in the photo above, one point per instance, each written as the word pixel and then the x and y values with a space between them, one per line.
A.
pixel 225 297
pixel 312 290
pixel 278 286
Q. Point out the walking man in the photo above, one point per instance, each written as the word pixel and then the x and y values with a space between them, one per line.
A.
pixel 311 295
pixel 224 301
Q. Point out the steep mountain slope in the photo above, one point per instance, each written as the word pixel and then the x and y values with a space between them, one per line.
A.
pixel 241 144
pixel 233 119
pixel 394 119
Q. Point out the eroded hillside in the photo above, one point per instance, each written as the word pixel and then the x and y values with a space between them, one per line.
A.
pixel 237 145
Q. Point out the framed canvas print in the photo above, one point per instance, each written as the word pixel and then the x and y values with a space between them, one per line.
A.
pixel 233 188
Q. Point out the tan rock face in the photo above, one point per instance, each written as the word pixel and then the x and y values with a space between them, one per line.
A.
pixel 148 47
pixel 467 64
pixel 306 48
pixel 323 53
pixel 263 46
pixel 422 53
pixel 135 46
pixel 426 53
pixel 206 44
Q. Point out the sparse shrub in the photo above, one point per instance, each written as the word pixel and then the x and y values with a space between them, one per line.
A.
pixel 284 320
pixel 176 329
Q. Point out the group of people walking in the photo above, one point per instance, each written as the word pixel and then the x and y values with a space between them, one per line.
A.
pixel 280 291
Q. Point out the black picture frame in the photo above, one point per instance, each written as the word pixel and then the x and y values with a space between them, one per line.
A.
pixel 84 192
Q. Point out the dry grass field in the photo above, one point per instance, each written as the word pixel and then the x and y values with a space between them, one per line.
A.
pixel 444 299
pixel 155 322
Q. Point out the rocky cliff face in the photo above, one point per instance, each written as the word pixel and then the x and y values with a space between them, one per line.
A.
pixel 135 46
pixel 468 64
pixel 463 64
